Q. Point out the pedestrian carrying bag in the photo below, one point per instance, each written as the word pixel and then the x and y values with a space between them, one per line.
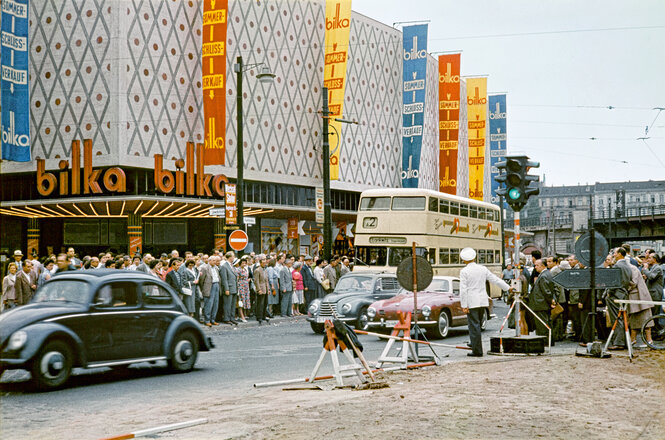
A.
pixel 556 311
pixel 187 290
pixel 326 284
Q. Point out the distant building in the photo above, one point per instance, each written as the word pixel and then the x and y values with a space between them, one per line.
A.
pixel 560 214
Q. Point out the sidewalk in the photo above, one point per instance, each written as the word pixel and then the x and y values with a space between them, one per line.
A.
pixel 252 322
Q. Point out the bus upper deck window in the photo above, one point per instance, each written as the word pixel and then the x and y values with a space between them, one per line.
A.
pixel 433 204
pixel 473 211
pixel 408 203
pixel 481 213
pixel 464 210
pixel 375 204
pixel 454 208
pixel 444 206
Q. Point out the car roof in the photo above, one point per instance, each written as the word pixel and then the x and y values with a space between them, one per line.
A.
pixel 104 274
pixel 371 273
pixel 445 277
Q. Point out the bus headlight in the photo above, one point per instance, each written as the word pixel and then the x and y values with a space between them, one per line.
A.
pixel 371 312
pixel 17 340
pixel 427 310
pixel 346 308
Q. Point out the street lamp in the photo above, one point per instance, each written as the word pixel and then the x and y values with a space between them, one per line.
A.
pixel 327 209
pixel 265 76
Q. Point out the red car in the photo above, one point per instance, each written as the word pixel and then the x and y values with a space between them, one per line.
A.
pixel 439 308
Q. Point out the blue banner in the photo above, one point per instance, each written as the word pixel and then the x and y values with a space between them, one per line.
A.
pixel 14 85
pixel 498 138
pixel 413 100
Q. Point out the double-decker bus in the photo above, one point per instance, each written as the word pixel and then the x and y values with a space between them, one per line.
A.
pixel 441 225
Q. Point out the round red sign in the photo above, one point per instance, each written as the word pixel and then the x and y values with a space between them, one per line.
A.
pixel 238 240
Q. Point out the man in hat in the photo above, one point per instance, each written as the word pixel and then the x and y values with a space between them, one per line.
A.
pixel 18 257
pixel 473 296
pixel 308 280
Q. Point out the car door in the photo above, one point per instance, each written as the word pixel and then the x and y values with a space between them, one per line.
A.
pixel 157 313
pixel 114 323
pixel 459 317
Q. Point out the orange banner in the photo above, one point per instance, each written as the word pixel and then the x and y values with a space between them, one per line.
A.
pixel 449 105
pixel 292 228
pixel 476 99
pixel 214 80
pixel 230 204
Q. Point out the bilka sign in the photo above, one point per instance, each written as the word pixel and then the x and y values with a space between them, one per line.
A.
pixel 497 114
pixel 449 106
pixel 476 101
pixel 414 71
pixel 338 25
pixel 14 88
pixel 214 80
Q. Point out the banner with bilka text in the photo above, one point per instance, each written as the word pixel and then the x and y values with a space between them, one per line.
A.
pixel 338 26
pixel 213 64
pixel 449 107
pixel 414 72
pixel 14 87
pixel 476 101
pixel 498 138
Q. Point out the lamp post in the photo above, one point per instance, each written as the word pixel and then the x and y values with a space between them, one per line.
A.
pixel 327 208
pixel 266 77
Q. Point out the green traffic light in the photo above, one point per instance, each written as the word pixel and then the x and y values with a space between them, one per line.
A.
pixel 514 194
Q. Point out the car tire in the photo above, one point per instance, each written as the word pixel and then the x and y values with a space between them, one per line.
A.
pixel 52 365
pixel 483 322
pixel 442 327
pixel 362 323
pixel 317 328
pixel 184 350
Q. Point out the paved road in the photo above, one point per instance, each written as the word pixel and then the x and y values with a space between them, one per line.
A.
pixel 284 350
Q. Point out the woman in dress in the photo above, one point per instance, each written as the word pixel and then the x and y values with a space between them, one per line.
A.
pixel 8 291
pixel 318 276
pixel 298 288
pixel 189 281
pixel 243 288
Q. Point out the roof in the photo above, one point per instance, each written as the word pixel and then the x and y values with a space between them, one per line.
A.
pixel 423 192
pixel 105 273
pixel 579 190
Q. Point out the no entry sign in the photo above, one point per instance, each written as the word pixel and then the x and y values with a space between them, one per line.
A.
pixel 238 240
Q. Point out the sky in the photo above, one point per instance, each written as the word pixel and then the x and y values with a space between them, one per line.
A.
pixel 560 83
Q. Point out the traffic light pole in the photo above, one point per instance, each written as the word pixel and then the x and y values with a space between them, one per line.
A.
pixel 516 261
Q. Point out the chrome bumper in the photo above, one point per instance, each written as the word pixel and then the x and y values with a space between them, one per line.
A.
pixel 383 323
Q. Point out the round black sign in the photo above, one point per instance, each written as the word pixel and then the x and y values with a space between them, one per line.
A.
pixel 583 253
pixel 424 273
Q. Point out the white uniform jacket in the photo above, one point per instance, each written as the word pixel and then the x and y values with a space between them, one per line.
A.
pixel 472 285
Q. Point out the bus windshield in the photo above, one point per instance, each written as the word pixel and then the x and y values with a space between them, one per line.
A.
pixel 375 204
pixel 397 254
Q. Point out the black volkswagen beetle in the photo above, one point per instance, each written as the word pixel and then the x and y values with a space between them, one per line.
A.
pixel 352 296
pixel 98 318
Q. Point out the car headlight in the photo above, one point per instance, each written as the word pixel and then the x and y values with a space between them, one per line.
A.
pixel 17 340
pixel 371 312
pixel 427 310
pixel 313 308
pixel 346 308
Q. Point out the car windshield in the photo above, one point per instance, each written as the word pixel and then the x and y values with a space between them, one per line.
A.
pixel 62 291
pixel 438 286
pixel 354 283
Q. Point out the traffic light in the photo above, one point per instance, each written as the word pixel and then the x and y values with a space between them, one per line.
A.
pixel 515 180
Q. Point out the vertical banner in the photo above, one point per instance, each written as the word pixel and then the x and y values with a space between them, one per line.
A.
pixel 414 73
pixel 292 228
pixel 14 88
pixel 338 26
pixel 449 106
pixel 476 99
pixel 230 204
pixel 319 205
pixel 213 66
pixel 498 138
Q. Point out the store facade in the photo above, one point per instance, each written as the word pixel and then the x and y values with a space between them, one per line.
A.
pixel 117 124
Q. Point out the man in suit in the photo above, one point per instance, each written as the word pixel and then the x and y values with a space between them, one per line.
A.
pixel 71 256
pixel 286 288
pixel 145 264
pixel 25 284
pixel 209 283
pixel 229 288
pixel 262 289
pixel 330 272
pixel 620 262
pixel 542 298
pixel 309 283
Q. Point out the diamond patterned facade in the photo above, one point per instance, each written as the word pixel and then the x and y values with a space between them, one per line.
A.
pixel 127 74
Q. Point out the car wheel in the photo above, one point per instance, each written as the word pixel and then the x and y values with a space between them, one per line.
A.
pixel 440 330
pixel 184 352
pixel 52 366
pixel 317 328
pixel 483 321
pixel 362 323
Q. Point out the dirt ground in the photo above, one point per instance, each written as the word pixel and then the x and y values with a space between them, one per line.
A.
pixel 563 397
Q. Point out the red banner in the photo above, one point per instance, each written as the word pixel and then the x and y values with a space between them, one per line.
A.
pixel 292 228
pixel 449 105
pixel 214 80
pixel 230 204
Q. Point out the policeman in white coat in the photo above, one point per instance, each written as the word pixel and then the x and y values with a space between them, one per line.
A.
pixel 473 297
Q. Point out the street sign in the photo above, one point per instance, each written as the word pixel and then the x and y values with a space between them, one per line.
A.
pixel 217 212
pixel 581 278
pixel 249 220
pixel 424 273
pixel 238 240
pixel 582 249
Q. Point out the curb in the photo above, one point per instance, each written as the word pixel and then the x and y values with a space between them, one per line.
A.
pixel 252 323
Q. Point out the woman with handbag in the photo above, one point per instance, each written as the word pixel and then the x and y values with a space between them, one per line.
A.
pixel 189 288
pixel 243 289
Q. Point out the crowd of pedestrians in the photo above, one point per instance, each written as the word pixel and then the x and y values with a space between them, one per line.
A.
pixel 216 288
pixel 567 311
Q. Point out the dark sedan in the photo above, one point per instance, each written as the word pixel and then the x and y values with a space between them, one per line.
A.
pixel 98 318
pixel 352 296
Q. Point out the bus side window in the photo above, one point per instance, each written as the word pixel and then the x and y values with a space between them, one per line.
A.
pixel 444 206
pixel 454 208
pixel 473 211
pixel 464 210
pixel 433 204
pixel 497 256
pixel 444 256
pixel 454 256
pixel 490 256
pixel 431 256
pixel 497 216
pixel 481 256
pixel 481 213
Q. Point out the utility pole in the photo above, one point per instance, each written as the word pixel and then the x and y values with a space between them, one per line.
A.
pixel 240 193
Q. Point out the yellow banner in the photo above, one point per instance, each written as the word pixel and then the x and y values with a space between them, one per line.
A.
pixel 338 24
pixel 476 101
